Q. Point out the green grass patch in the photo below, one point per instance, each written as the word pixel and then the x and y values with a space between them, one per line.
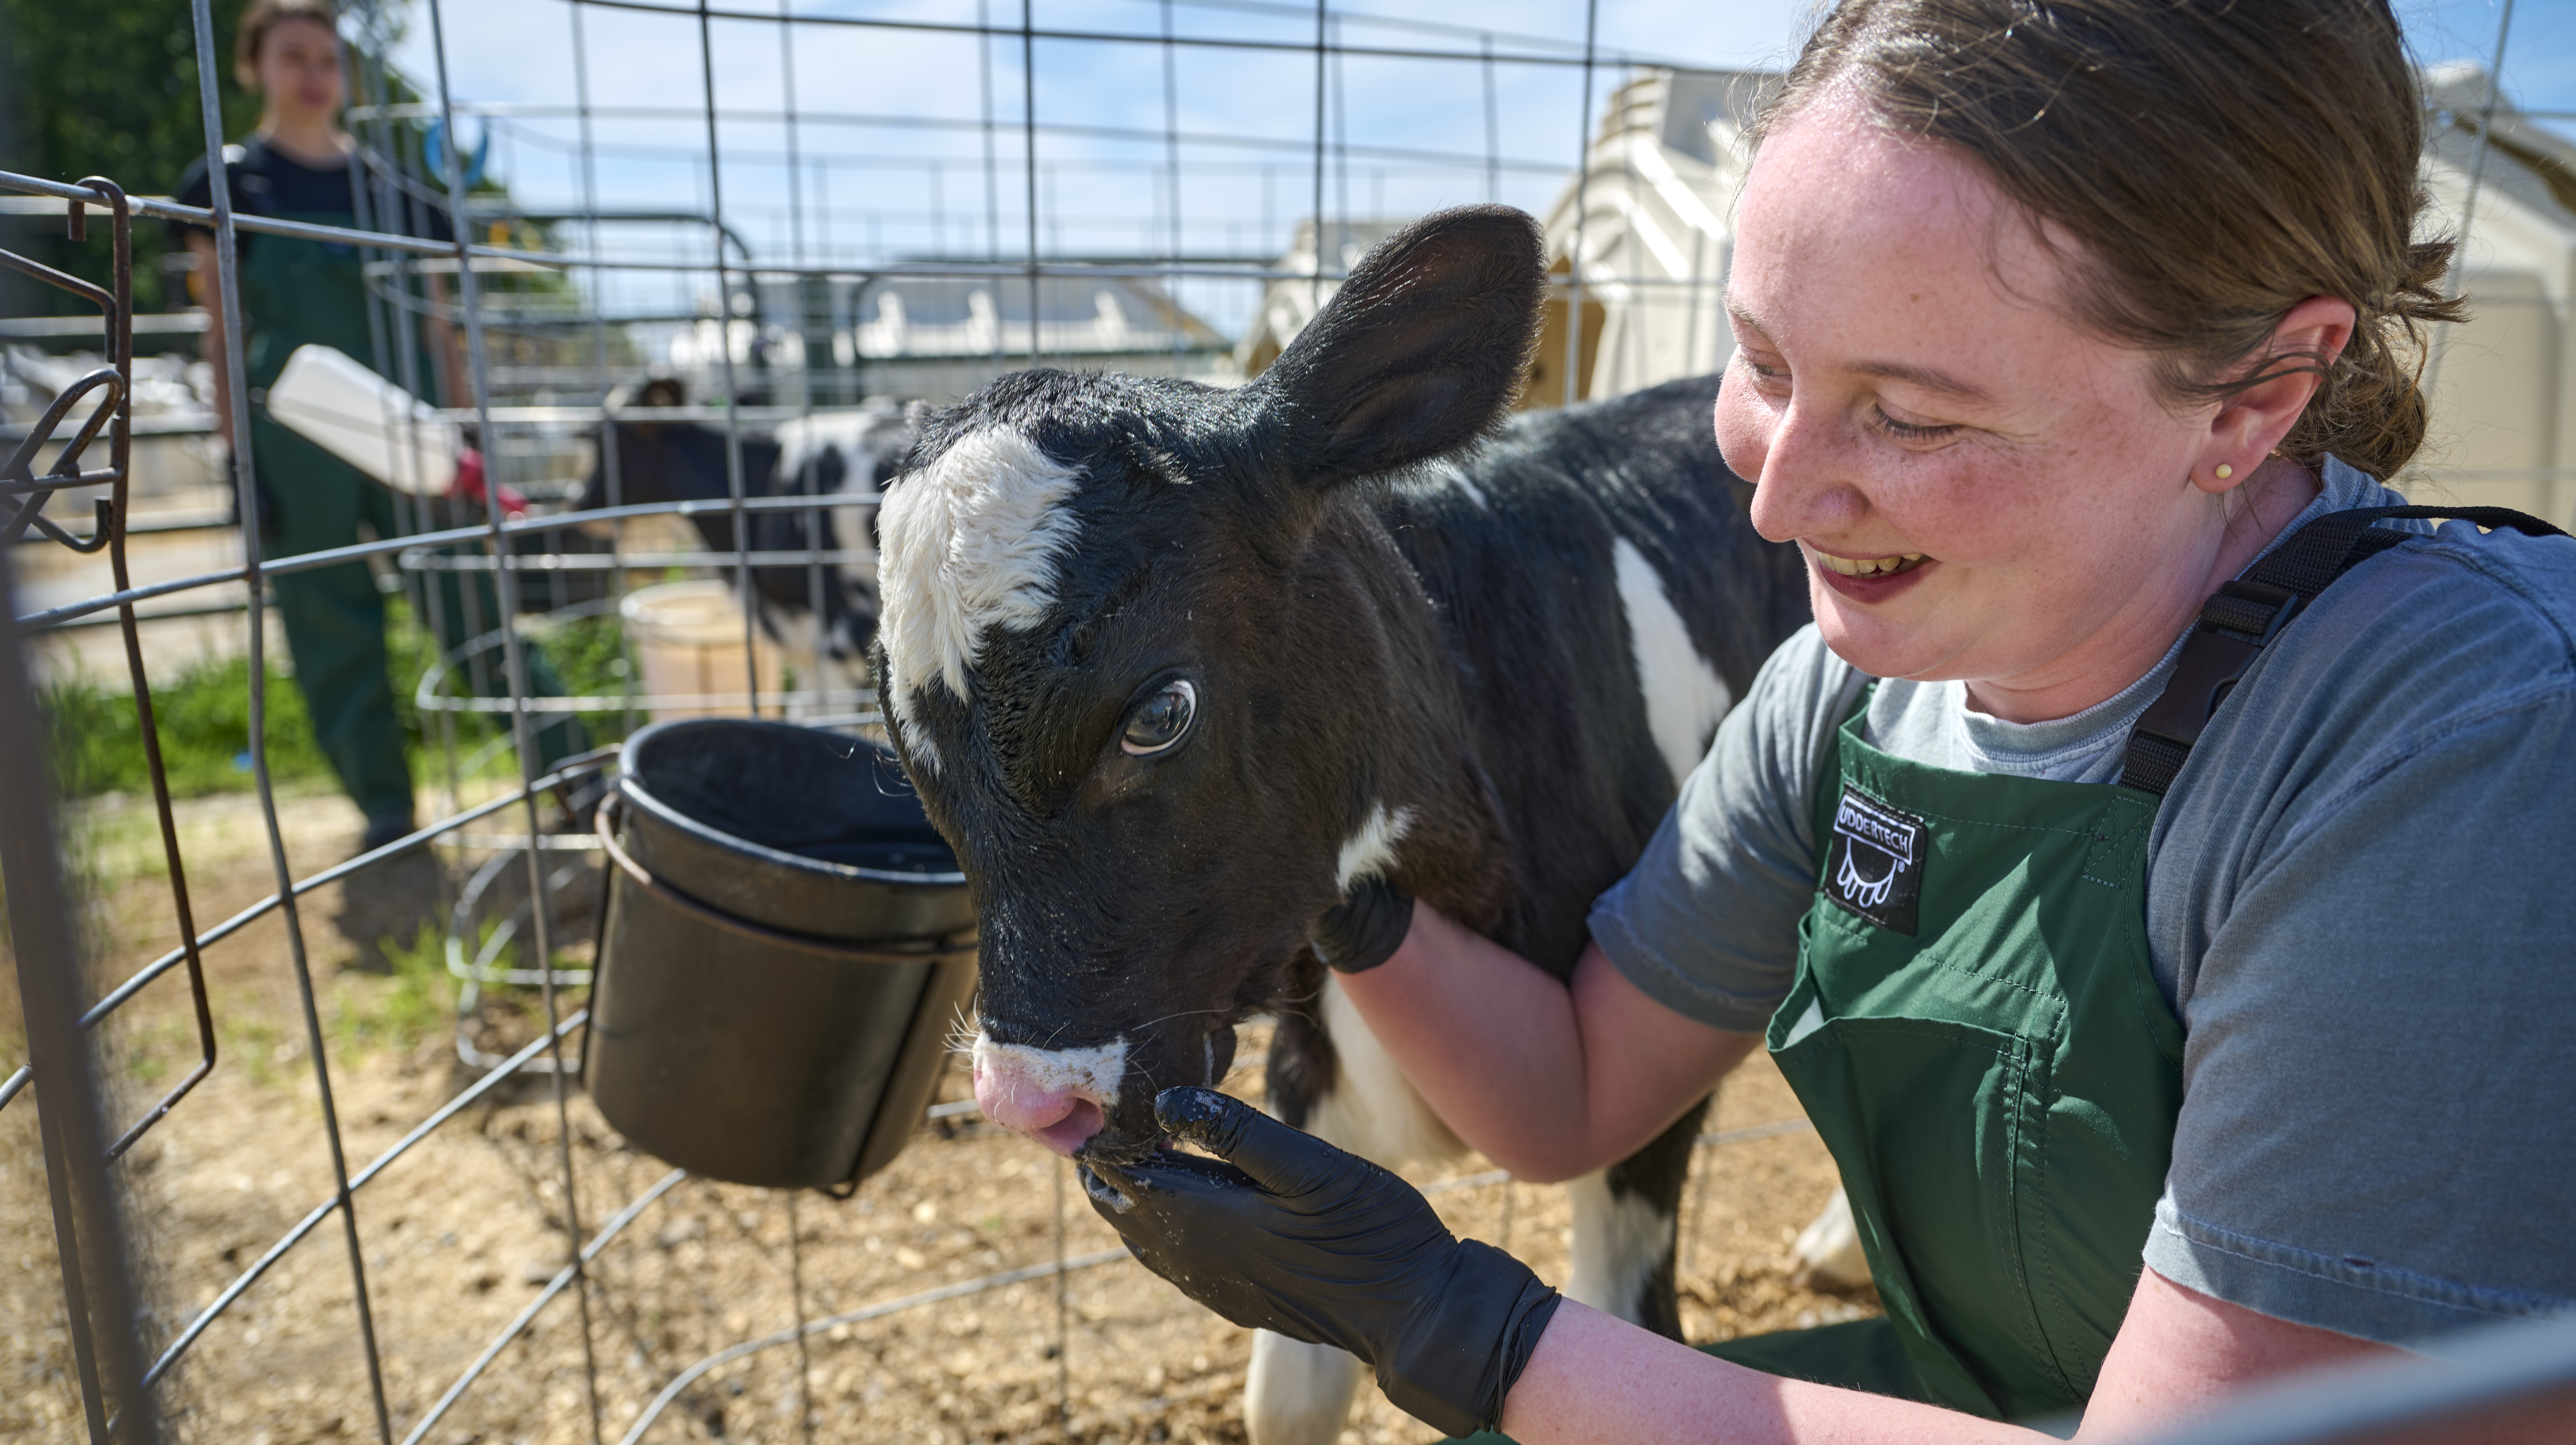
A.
pixel 156 1051
pixel 204 713
pixel 397 1011
pixel 246 1037
pixel 204 725
pixel 588 656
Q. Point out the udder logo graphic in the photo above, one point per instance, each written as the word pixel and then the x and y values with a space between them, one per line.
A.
pixel 1860 892
pixel 1877 862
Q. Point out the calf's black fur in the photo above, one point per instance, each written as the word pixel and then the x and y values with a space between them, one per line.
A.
pixel 1368 624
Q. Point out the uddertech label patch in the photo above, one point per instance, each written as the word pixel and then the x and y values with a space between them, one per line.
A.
pixel 1875 865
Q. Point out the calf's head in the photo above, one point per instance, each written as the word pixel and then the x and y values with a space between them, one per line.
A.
pixel 1164 684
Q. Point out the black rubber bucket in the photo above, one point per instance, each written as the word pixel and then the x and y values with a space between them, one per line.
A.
pixel 783 948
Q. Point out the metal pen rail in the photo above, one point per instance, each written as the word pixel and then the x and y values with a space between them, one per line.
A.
pixel 97 413
pixel 124 1374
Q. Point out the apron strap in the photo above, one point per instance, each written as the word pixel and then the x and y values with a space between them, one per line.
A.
pixel 2244 615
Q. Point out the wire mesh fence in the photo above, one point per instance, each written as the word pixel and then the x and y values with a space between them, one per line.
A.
pixel 663 409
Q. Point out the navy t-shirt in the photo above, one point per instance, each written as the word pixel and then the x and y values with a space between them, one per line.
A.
pixel 266 181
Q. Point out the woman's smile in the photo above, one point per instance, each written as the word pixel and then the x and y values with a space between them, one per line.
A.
pixel 1867 579
pixel 1866 567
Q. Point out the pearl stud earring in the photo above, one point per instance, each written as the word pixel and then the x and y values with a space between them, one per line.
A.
pixel 2225 471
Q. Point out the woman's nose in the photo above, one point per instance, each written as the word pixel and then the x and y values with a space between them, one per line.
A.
pixel 1806 487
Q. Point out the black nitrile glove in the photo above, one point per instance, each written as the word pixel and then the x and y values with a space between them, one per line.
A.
pixel 1365 928
pixel 1293 1235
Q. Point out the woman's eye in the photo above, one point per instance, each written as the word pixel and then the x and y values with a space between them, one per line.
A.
pixel 1909 431
pixel 1158 721
pixel 1762 372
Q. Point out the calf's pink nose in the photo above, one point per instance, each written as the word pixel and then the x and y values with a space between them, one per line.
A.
pixel 1061 1119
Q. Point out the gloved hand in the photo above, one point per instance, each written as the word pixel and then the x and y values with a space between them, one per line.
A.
pixel 1365 928
pixel 1291 1234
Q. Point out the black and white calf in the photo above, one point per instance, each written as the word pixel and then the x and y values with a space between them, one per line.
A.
pixel 831 455
pixel 1172 666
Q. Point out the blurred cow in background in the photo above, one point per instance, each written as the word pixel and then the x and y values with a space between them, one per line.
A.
pixel 826 609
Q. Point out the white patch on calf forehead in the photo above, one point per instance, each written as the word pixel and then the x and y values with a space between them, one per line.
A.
pixel 1369 852
pixel 970 543
pixel 1093 1072
pixel 1684 696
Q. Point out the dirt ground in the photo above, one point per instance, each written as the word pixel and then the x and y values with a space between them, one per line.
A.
pixel 462 1233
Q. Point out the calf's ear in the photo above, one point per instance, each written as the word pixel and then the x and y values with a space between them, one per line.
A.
pixel 1419 352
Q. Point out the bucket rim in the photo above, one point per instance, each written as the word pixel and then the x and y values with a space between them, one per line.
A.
pixel 928 950
pixel 632 787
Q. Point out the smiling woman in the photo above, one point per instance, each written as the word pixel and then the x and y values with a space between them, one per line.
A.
pixel 2229 302
pixel 1993 489
pixel 2081 866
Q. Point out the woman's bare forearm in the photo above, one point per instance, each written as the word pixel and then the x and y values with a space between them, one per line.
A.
pixel 1596 1378
pixel 2179 1355
pixel 1549 1079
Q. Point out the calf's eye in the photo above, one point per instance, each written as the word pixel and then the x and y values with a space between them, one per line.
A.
pixel 1158 721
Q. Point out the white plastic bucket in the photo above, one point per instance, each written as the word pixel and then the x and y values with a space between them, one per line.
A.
pixel 336 403
pixel 688 640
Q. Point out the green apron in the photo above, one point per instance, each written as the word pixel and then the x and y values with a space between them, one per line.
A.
pixel 1977 1035
pixel 297 292
pixel 1976 1032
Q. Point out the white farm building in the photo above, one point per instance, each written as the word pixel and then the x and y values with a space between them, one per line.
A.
pixel 2504 383
pixel 1654 220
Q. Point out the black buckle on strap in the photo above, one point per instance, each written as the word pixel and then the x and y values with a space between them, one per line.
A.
pixel 2236 623
pixel 2245 615
pixel 2252 610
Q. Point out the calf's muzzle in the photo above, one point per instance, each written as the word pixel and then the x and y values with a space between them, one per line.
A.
pixel 1045 1095
pixel 1099 1100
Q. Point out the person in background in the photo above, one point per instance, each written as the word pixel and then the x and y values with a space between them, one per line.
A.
pixel 300 165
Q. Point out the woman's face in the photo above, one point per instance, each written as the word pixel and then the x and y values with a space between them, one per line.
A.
pixel 299 69
pixel 1983 490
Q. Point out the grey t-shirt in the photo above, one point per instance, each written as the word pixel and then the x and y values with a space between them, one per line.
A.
pixel 2361 900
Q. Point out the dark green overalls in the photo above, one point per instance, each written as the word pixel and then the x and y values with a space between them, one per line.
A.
pixel 1976 1032
pixel 297 291
pixel 1977 1035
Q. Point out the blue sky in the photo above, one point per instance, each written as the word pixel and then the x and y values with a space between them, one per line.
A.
pixel 892 148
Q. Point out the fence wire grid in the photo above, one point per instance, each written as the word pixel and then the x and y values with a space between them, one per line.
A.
pixel 863 259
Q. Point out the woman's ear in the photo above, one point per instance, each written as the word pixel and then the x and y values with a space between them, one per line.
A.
pixel 2251 422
